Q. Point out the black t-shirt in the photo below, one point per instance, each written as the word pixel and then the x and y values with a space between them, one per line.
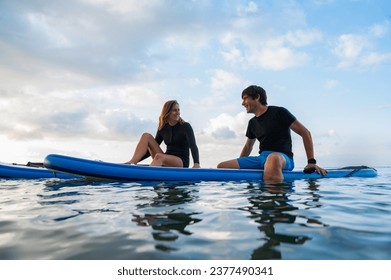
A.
pixel 272 130
pixel 178 139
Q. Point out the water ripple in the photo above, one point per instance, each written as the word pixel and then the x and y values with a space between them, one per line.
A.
pixel 97 219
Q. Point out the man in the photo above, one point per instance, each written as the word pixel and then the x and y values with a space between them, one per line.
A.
pixel 271 125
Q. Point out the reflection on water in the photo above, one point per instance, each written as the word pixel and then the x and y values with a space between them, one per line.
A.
pixel 167 225
pixel 172 194
pixel 96 219
pixel 270 205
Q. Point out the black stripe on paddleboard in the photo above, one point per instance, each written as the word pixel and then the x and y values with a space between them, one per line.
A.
pixel 355 169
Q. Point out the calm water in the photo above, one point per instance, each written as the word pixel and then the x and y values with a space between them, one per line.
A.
pixel 78 219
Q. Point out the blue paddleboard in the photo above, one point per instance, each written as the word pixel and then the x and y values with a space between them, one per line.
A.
pixel 126 172
pixel 18 171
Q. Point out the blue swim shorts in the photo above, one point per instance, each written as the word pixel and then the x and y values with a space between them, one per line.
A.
pixel 258 162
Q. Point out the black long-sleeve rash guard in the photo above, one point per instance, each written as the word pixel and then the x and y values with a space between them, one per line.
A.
pixel 178 139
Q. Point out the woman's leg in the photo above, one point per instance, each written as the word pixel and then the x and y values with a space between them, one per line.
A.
pixel 161 159
pixel 146 143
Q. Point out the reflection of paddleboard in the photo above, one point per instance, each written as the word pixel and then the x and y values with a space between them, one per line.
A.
pixel 30 171
pixel 125 172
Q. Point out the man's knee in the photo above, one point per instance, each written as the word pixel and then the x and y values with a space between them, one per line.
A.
pixel 222 165
pixel 275 160
pixel 233 164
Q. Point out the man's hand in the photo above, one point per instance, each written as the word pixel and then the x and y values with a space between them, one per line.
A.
pixel 311 168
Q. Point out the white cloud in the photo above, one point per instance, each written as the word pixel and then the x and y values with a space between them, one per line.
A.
pixel 380 30
pixel 375 58
pixel 273 52
pixel 225 124
pixel 223 80
pixel 134 97
pixel 233 55
pixel 21 68
pixel 349 47
pixel 301 38
pixel 132 9
pixel 223 138
pixel 223 133
pixel 251 8
pixel 274 56
pixel 50 28
pixel 121 112
pixel 361 49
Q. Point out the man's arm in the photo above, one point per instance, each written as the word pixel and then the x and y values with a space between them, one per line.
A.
pixel 247 148
pixel 301 130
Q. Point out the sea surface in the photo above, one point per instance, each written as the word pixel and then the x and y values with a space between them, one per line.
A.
pixel 326 219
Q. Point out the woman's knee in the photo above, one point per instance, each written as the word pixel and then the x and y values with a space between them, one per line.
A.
pixel 159 157
pixel 147 135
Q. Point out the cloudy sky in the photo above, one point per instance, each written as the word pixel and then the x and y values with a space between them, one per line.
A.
pixel 87 77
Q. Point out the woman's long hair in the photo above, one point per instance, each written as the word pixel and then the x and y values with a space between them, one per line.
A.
pixel 167 107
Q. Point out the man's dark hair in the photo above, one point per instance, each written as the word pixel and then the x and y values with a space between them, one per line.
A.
pixel 254 92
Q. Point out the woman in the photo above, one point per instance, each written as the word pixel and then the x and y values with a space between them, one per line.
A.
pixel 177 135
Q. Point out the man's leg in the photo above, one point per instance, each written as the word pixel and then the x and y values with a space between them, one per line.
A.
pixel 233 164
pixel 274 164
